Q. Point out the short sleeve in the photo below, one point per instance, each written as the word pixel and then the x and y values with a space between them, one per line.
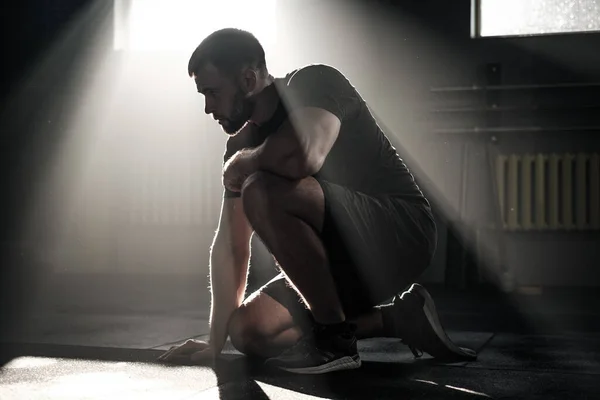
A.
pixel 322 86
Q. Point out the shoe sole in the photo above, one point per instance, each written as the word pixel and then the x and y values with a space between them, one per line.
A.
pixel 434 320
pixel 340 364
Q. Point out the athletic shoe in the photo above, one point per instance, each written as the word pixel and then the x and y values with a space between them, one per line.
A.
pixel 326 349
pixel 416 322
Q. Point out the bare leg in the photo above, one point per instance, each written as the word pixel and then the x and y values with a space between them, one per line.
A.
pixel 263 328
pixel 288 217
pixel 370 325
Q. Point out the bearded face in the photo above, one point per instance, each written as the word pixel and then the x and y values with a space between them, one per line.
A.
pixel 225 99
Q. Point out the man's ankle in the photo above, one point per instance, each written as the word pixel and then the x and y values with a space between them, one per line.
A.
pixel 329 318
pixel 391 320
pixel 333 327
pixel 335 337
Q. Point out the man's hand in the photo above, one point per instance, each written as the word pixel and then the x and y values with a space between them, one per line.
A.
pixel 192 352
pixel 239 167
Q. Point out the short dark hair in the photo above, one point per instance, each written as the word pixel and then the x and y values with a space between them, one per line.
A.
pixel 229 50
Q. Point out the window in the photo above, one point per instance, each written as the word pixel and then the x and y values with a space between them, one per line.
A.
pixel 534 17
pixel 179 25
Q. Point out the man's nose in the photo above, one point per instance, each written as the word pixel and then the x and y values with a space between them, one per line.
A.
pixel 209 108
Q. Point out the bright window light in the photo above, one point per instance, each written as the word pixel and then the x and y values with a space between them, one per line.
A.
pixel 537 17
pixel 180 25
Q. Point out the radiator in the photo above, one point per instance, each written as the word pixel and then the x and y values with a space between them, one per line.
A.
pixel 549 191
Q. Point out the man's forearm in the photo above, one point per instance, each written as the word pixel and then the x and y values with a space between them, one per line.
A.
pixel 228 281
pixel 282 154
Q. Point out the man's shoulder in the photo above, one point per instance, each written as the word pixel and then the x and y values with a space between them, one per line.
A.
pixel 312 71
pixel 321 86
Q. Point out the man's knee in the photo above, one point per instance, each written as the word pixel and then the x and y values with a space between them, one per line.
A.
pixel 265 194
pixel 255 186
pixel 244 332
pixel 260 195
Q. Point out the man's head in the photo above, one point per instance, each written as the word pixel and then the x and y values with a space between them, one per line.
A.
pixel 229 69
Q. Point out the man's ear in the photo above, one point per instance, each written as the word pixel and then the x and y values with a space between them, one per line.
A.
pixel 249 80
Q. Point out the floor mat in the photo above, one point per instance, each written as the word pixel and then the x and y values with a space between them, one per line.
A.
pixel 564 353
pixel 394 351
pixel 39 371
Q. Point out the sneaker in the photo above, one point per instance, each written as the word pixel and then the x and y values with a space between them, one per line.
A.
pixel 416 322
pixel 326 349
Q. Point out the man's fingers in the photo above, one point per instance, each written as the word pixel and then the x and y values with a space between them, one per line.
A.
pixel 172 350
pixel 172 355
pixel 183 351
pixel 176 350
pixel 201 357
pixel 165 355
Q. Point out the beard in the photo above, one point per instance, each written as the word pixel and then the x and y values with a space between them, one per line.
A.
pixel 241 112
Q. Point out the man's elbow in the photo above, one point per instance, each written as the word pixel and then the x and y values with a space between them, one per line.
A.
pixel 313 165
pixel 309 164
pixel 300 165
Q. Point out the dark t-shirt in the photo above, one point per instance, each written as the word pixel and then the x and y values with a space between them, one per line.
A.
pixel 362 158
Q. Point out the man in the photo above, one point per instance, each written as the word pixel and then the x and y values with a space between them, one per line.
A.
pixel 308 169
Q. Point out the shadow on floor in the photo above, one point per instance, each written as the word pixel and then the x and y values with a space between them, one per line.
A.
pixel 241 378
pixel 238 377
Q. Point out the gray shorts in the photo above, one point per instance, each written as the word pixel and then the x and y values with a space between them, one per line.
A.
pixel 377 247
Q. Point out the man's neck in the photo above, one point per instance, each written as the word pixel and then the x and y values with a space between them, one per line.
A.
pixel 265 104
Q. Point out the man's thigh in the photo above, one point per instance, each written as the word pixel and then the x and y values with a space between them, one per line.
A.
pixel 377 246
pixel 302 198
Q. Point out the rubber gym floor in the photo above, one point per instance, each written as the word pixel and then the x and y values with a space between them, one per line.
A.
pixel 86 338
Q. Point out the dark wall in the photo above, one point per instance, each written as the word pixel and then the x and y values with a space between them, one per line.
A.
pixel 30 97
pixel 457 60
pixel 40 44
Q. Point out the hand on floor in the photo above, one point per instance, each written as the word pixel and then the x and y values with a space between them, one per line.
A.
pixel 192 352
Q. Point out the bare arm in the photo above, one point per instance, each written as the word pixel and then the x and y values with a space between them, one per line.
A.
pixel 229 257
pixel 299 148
